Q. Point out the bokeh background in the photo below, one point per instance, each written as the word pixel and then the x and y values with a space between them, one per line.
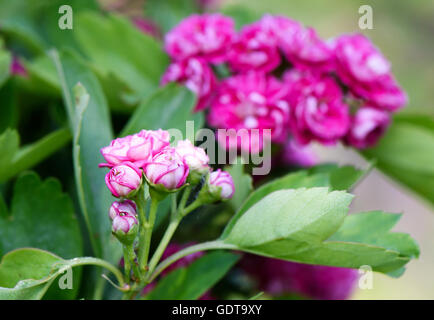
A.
pixel 404 31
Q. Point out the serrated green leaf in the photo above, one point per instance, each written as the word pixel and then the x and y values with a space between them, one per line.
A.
pixel 41 216
pixel 189 283
pixel 338 178
pixel 307 226
pixel 169 107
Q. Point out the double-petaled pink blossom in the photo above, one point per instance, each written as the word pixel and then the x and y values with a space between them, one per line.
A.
pixel 137 148
pixel 195 157
pixel 368 125
pixel 167 169
pixel 208 36
pixel 366 72
pixel 317 108
pixel 196 75
pixel 255 48
pixel 124 179
pixel 250 101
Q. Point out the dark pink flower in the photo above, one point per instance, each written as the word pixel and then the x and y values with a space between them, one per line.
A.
pixel 367 73
pixel 167 168
pixel 248 102
pixel 317 110
pixel 255 48
pixel 137 148
pixel 196 75
pixel 301 46
pixel 298 155
pixel 208 36
pixel 278 277
pixel 368 125
pixel 123 179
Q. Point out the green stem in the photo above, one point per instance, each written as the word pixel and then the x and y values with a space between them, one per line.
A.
pixel 127 263
pixel 149 225
pixel 184 198
pixel 98 262
pixel 140 203
pixel 164 242
pixel 211 245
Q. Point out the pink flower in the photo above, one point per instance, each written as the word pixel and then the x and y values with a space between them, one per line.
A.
pixel 278 277
pixel 167 168
pixel 196 75
pixel 123 179
pixel 299 155
pixel 250 101
pixel 368 125
pixel 124 223
pixel 124 208
pixel 317 110
pixel 367 73
pixel 301 46
pixel 195 157
pixel 220 183
pixel 137 148
pixel 254 49
pixel 208 36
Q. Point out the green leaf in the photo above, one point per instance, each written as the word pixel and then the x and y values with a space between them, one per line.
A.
pixel 192 282
pixel 338 178
pixel 5 65
pixel 296 224
pixel 41 216
pixel 406 153
pixel 35 25
pixel 372 228
pixel 90 123
pixel 169 107
pixel 242 182
pixel 14 160
pixel 118 48
pixel 26 274
pixel 167 14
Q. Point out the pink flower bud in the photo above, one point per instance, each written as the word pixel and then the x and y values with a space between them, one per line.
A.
pixel 124 208
pixel 194 157
pixel 124 223
pixel 123 179
pixel 220 183
pixel 137 148
pixel 167 169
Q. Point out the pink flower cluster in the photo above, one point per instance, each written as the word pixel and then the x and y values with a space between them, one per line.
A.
pixel 283 77
pixel 164 167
